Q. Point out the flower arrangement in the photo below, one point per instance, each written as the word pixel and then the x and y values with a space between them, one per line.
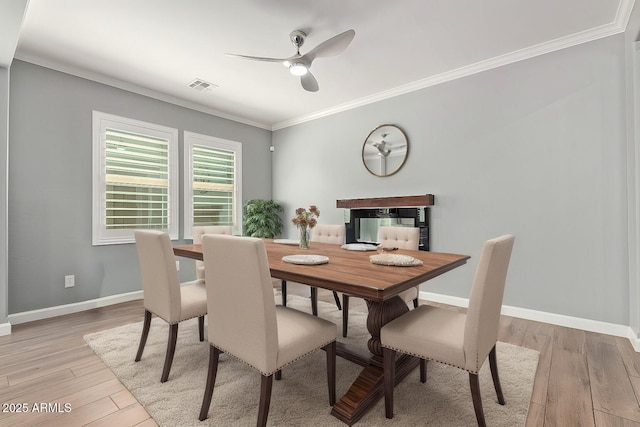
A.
pixel 304 220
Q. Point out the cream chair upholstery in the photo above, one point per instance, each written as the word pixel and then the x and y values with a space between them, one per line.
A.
pixel 198 231
pixel 164 295
pixel 391 237
pixel 453 338
pixel 245 323
pixel 326 233
pixel 402 238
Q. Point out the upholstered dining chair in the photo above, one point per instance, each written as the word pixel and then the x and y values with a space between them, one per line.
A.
pixel 198 231
pixel 462 340
pixel 391 237
pixel 245 323
pixel 324 233
pixel 335 235
pixel 164 295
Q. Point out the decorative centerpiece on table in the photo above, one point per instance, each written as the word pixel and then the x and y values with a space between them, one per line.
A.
pixel 305 220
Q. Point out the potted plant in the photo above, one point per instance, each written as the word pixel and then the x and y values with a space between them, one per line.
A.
pixel 261 218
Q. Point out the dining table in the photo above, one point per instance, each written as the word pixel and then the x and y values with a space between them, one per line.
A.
pixel 349 269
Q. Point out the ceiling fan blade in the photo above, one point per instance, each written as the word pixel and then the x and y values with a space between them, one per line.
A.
pixel 331 47
pixel 309 83
pixel 257 58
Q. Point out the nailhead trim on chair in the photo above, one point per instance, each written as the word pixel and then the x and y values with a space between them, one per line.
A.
pixel 179 321
pixel 428 358
pixel 277 369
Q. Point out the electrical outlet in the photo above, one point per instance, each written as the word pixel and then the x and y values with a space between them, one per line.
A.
pixel 69 281
pixel 178 265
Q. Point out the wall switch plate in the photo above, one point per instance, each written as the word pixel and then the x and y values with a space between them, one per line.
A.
pixel 178 265
pixel 69 281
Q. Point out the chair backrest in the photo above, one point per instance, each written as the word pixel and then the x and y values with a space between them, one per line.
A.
pixel 160 281
pixel 198 231
pixel 242 312
pixel 328 233
pixel 485 301
pixel 399 237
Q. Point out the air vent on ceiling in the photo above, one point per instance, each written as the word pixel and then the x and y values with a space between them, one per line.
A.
pixel 201 85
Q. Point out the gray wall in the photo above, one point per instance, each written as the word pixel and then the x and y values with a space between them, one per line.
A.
pixel 4 143
pixel 536 148
pixel 50 183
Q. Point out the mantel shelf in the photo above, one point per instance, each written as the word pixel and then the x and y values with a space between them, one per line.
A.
pixel 387 202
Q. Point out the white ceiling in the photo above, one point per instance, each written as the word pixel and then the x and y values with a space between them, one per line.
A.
pixel 157 47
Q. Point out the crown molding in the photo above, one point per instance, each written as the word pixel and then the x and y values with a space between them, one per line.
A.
pixel 131 87
pixel 617 26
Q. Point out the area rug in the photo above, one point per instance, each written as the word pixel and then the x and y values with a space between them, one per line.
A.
pixel 300 398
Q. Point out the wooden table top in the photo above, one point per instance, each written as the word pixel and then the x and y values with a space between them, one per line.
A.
pixel 349 271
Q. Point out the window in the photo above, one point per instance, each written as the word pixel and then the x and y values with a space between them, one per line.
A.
pixel 135 181
pixel 212 182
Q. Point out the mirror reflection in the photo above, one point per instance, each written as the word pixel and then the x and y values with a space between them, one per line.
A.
pixel 385 150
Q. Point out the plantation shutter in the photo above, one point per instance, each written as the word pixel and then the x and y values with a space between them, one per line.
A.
pixel 213 185
pixel 137 181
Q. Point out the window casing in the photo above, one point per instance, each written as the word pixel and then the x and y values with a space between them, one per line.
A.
pixel 212 182
pixel 135 178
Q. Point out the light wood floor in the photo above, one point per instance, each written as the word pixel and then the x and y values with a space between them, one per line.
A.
pixel 583 378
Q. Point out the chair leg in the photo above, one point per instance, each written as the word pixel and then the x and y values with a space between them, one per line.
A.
pixel 337 298
pixel 265 399
pixel 331 371
pixel 171 349
pixel 345 314
pixel 314 301
pixel 477 399
pixel 389 356
pixel 416 303
pixel 493 363
pixel 423 370
pixel 145 334
pixel 214 356
pixel 201 327
pixel 283 288
pixel 278 375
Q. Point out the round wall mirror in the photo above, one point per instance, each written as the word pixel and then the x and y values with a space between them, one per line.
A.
pixel 385 150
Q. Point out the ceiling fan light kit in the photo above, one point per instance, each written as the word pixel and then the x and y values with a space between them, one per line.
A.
pixel 298 69
pixel 299 65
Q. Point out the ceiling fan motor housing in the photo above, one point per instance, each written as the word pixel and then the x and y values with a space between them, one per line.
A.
pixel 297 38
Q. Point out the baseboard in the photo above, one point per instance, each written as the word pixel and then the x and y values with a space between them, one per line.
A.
pixel 5 329
pixel 554 319
pixel 46 313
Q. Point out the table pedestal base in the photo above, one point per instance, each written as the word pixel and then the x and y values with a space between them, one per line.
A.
pixel 368 388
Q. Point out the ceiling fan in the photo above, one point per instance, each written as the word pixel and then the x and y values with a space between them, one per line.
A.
pixel 298 64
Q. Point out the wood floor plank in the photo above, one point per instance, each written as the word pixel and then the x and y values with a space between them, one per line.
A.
pixel 630 357
pixel 535 416
pixel 544 345
pixel 123 399
pixel 568 396
pixel 607 420
pixel 91 365
pixel 83 415
pixel 635 383
pixel 512 330
pixel 611 389
pixel 150 422
pixel 129 416
pixel 26 387
pixel 75 397
pixel 45 365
